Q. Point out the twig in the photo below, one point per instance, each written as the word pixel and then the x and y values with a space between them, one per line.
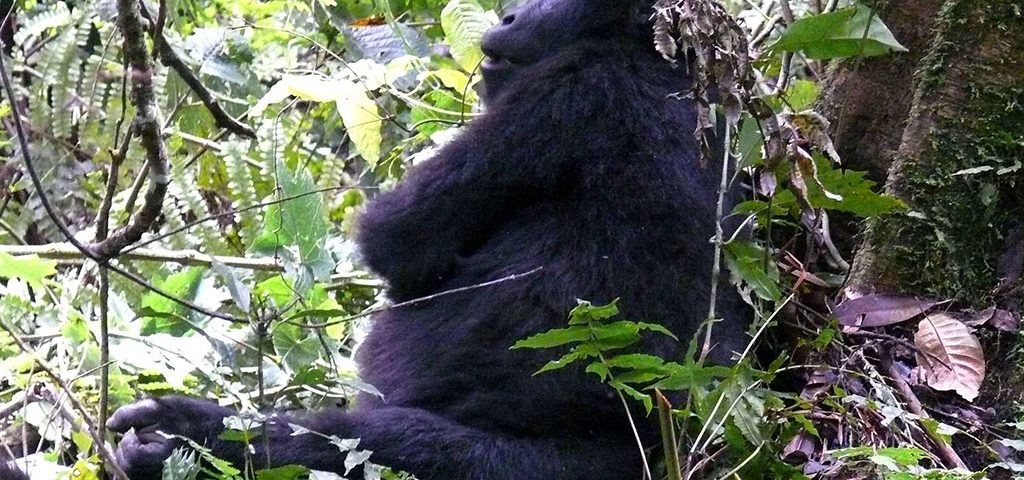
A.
pixel 716 267
pixel 949 456
pixel 18 401
pixel 67 252
pixel 146 126
pixel 371 311
pixel 170 59
pixel 109 460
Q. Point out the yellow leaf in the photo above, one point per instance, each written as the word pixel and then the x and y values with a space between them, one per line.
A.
pixel 361 117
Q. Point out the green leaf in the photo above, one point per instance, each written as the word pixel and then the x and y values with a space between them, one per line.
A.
pixel 857 192
pixel 300 222
pixel 635 361
pixel 29 268
pixel 802 94
pixel 557 364
pixel 555 338
pixel 755 267
pixel 298 349
pixel 615 335
pixel 850 32
pixel 587 312
pixel 464 23
pixel 657 328
pixel 287 472
pixel 74 327
pixel 168 316
pixel 635 394
pixel 599 369
pixel 685 377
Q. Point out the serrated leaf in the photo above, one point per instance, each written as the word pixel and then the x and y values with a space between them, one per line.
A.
pixel 635 361
pixel 555 338
pixel 585 312
pixel 635 394
pixel 950 356
pixel 854 31
pixel 169 316
pixel 355 458
pixel 300 223
pixel 753 266
pixel 464 23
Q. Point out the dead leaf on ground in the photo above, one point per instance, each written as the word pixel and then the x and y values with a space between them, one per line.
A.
pixel 950 355
pixel 877 310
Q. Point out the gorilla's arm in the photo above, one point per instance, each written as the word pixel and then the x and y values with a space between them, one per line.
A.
pixel 403 438
pixel 524 149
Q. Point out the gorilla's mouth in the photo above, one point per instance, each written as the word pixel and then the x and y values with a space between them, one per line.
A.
pixel 494 61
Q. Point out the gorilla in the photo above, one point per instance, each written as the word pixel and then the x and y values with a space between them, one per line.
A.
pixel 584 165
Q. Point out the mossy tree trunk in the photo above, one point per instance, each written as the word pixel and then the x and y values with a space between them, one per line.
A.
pixel 957 163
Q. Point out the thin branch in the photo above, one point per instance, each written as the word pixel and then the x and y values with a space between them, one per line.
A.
pixel 170 59
pixel 949 456
pixel 65 252
pixel 716 267
pixel 415 301
pixel 109 460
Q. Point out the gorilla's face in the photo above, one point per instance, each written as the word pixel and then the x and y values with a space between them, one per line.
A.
pixel 540 29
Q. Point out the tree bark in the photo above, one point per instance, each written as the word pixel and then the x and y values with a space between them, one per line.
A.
pixel 958 163
pixel 868 99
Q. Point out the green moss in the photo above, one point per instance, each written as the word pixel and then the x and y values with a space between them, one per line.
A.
pixel 949 243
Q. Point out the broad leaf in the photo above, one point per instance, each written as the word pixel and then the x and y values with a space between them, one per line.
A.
pixel 850 32
pixel 950 356
pixel 877 310
pixel 30 268
pixel 464 23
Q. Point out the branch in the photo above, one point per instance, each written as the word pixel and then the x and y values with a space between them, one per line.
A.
pixel 170 59
pixel 109 460
pixel 146 125
pixel 66 252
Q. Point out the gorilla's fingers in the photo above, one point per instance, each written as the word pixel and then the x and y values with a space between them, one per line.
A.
pixel 138 415
pixel 142 456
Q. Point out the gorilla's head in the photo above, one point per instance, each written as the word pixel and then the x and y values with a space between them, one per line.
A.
pixel 542 29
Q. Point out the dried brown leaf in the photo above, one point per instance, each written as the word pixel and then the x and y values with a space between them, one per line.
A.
pixel 877 310
pixel 950 355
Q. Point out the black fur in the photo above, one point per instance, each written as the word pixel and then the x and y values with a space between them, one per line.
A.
pixel 11 472
pixel 585 165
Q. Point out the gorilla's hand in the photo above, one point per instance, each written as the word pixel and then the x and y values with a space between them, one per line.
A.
pixel 147 425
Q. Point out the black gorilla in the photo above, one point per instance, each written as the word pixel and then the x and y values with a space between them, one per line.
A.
pixel 585 165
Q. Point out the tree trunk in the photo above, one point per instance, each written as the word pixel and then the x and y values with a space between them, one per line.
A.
pixel 868 99
pixel 958 164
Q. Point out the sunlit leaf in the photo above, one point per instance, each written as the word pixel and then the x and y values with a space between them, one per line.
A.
pixel 464 23
pixel 29 268
pixel 854 31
